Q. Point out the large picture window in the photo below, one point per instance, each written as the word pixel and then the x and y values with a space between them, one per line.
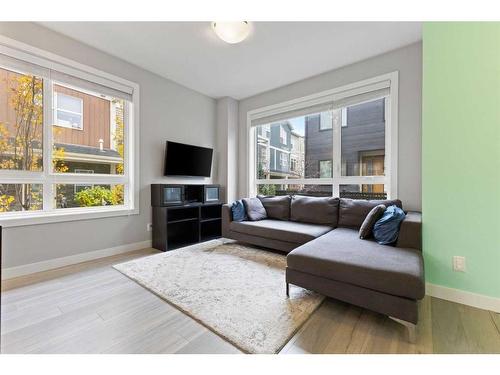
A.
pixel 343 143
pixel 65 142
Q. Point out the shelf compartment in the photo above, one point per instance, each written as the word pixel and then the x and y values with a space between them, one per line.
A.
pixel 210 229
pixel 211 212
pixel 182 233
pixel 178 215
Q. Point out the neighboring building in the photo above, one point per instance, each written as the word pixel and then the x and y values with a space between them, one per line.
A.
pixel 297 153
pixel 274 143
pixel 84 134
pixel 283 153
pixel 363 146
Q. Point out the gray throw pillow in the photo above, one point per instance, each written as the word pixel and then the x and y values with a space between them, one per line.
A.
pixel 366 229
pixel 254 208
pixel 276 207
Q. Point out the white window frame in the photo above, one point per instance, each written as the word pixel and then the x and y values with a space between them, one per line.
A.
pixel 130 178
pixel 57 109
pixel 390 180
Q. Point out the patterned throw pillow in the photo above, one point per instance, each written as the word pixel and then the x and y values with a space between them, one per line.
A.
pixel 366 229
pixel 386 229
pixel 238 211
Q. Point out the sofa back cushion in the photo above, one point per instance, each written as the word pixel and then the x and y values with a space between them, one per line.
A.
pixel 276 207
pixel 254 209
pixel 352 212
pixel 315 210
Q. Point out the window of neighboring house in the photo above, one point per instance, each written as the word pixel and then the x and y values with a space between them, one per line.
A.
pixel 326 120
pixel 68 111
pixel 351 160
pixel 325 168
pixel 283 160
pixel 80 187
pixel 283 139
pixel 85 168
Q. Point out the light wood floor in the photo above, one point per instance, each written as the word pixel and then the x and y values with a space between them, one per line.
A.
pixel 92 308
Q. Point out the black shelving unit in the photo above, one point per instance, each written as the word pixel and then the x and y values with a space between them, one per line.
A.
pixel 177 225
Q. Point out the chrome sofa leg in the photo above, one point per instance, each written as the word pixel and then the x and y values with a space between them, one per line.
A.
pixel 411 328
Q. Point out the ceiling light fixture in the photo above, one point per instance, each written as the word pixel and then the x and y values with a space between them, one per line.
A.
pixel 231 32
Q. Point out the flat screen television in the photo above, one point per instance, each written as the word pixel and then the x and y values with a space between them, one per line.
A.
pixel 187 160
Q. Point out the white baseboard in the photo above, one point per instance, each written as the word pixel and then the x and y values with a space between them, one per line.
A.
pixel 466 298
pixel 27 269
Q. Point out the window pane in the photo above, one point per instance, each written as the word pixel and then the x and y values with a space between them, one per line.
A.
pixel 20 197
pixel 69 103
pixel 291 189
pixel 293 148
pixel 91 140
pixel 21 121
pixel 363 191
pixel 69 120
pixel 325 168
pixel 363 139
pixel 87 195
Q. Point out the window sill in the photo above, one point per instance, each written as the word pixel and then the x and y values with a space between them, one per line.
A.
pixel 68 214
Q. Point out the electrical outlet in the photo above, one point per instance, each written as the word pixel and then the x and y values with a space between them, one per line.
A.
pixel 149 227
pixel 458 264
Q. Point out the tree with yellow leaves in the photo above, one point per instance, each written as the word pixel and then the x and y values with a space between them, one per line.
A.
pixel 21 147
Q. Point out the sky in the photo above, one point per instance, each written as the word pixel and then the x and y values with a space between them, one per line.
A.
pixel 298 124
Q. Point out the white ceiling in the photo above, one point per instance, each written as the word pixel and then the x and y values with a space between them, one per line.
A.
pixel 275 54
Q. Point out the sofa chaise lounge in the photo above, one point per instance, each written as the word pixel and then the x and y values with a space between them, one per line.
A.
pixel 326 254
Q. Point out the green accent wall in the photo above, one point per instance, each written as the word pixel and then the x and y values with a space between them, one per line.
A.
pixel 461 154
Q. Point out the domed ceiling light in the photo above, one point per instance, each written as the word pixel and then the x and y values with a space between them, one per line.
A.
pixel 231 32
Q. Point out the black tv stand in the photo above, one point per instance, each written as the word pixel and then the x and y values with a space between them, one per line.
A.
pixel 187 224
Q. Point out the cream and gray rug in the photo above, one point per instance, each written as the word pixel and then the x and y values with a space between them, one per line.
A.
pixel 236 291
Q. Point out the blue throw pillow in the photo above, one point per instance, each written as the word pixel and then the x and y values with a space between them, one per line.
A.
pixel 386 229
pixel 238 211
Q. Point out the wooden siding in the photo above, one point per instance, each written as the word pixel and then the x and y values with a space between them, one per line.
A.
pixel 96 121
pixel 96 115
pixel 7 114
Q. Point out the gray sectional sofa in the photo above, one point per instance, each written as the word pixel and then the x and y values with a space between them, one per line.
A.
pixel 325 253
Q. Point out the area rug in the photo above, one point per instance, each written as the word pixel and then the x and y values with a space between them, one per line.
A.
pixel 234 290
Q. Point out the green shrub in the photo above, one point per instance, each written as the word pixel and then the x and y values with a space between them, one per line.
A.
pixel 96 196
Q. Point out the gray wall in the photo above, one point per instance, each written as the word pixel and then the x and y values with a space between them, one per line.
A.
pixel 406 60
pixel 168 111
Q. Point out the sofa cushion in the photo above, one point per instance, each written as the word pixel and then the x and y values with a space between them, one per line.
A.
pixel 340 255
pixel 238 211
pixel 352 212
pixel 287 231
pixel 254 209
pixel 366 229
pixel 386 229
pixel 276 207
pixel 315 210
